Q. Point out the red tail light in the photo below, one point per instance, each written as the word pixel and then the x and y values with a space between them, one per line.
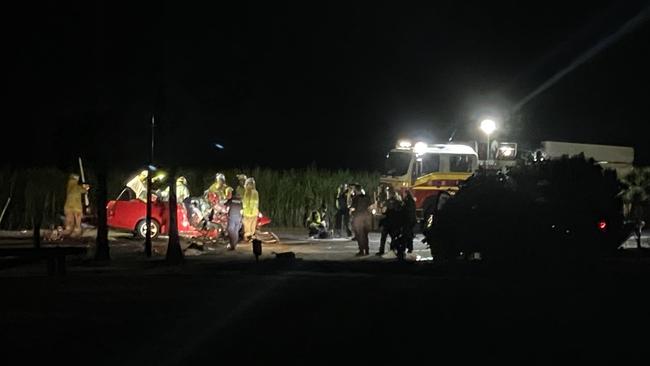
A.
pixel 602 225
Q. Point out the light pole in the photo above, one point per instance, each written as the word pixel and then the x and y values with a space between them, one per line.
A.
pixel 147 239
pixel 488 126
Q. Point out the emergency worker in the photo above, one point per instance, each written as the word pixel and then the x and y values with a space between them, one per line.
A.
pixel 314 223
pixel 241 182
pixel 391 223
pixel 409 220
pixel 138 185
pixel 182 196
pixel 325 221
pixel 73 208
pixel 250 204
pixel 342 216
pixel 235 208
pixel 220 188
pixel 361 220
pixel 217 195
pixel 182 192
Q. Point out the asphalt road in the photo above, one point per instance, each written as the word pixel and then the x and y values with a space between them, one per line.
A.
pixel 222 307
pixel 291 240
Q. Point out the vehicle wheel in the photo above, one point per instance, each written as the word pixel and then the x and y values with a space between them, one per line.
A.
pixel 141 229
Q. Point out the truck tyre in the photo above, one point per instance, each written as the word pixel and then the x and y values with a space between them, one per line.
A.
pixel 141 231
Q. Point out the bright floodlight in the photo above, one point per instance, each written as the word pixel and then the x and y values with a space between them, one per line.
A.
pixel 420 147
pixel 488 126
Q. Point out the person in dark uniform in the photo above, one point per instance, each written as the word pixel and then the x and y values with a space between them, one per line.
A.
pixel 409 220
pixel 342 216
pixel 235 216
pixel 391 222
pixel 361 220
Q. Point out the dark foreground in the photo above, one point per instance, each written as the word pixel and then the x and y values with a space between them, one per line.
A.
pixel 308 312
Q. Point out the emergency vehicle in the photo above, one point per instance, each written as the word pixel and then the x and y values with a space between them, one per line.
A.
pixel 432 172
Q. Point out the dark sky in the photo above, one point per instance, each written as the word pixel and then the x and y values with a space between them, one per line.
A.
pixel 334 84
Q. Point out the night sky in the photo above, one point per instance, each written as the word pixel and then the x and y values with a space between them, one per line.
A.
pixel 333 84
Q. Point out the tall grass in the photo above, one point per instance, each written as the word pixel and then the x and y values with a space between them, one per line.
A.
pixel 286 196
pixel 35 194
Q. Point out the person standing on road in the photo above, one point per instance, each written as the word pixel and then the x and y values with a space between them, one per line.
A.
pixel 409 220
pixel 250 204
pixel 73 208
pixel 361 220
pixel 183 195
pixel 241 182
pixel 342 216
pixel 235 208
pixel 391 222
pixel 182 192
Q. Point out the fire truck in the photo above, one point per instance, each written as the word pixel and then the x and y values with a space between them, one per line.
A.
pixel 432 172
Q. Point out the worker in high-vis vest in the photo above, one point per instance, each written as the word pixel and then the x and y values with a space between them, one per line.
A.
pixel 73 208
pixel 221 189
pixel 139 185
pixel 250 204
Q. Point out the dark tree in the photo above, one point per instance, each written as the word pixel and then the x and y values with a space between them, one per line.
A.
pixel 37 220
pixel 36 184
pixel 174 251
pixel 102 249
pixel 100 145
pixel 539 212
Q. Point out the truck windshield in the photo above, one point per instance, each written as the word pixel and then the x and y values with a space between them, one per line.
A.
pixel 461 163
pixel 397 164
